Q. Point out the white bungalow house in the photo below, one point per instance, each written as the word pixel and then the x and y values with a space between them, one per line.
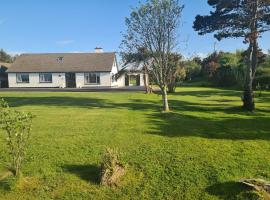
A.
pixel 65 70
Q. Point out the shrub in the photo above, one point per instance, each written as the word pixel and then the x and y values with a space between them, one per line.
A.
pixel 224 77
pixel 262 81
pixel 111 168
pixel 17 126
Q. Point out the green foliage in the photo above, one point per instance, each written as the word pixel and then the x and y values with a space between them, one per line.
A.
pixel 232 19
pixel 177 72
pixel 4 57
pixel 193 69
pixel 223 68
pixel 247 19
pixel 263 82
pixel 17 126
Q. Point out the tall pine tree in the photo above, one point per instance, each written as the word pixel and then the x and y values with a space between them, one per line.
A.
pixel 246 19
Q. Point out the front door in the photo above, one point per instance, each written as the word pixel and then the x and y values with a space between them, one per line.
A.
pixel 70 80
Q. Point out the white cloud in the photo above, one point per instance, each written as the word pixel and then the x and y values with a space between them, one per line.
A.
pixel 64 42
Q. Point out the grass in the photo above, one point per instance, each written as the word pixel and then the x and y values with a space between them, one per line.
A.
pixel 198 151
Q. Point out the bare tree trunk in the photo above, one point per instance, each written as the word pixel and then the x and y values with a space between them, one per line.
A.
pixel 248 96
pixel 165 99
pixel 146 83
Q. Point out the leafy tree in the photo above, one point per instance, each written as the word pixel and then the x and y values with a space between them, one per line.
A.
pixel 154 26
pixel 193 68
pixel 4 57
pixel 210 64
pixel 246 19
pixel 17 126
pixel 177 71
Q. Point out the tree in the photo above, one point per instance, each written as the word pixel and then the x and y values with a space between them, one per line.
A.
pixel 246 19
pixel 193 68
pixel 154 26
pixel 210 64
pixel 4 57
pixel 177 71
pixel 17 126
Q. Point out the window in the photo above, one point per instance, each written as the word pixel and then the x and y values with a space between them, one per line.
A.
pixel 22 78
pixel 92 78
pixel 45 78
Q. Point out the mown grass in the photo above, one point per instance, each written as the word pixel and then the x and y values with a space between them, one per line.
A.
pixel 198 151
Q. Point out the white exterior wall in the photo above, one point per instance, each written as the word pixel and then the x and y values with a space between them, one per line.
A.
pixel 121 81
pixel 58 81
pixel 141 80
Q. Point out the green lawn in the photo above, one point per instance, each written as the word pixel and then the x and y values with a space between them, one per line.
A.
pixel 198 151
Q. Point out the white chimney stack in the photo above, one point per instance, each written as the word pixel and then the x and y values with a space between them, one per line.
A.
pixel 98 50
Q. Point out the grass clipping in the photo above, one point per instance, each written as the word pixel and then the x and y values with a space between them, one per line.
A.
pixel 111 168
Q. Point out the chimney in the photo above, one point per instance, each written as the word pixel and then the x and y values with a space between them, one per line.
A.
pixel 98 50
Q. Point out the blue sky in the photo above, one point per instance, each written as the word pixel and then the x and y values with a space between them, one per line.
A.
pixel 38 26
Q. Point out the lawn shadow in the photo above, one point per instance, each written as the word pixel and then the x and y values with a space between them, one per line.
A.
pixel 62 101
pixel 230 190
pixel 234 128
pixel 88 173
pixel 210 118
pixel 209 93
pixel 81 102
pixel 5 185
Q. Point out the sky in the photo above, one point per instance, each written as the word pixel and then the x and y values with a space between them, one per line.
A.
pixel 47 26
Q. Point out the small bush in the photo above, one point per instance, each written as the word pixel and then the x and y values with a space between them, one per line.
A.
pixel 111 168
pixel 263 81
pixel 17 126
pixel 224 77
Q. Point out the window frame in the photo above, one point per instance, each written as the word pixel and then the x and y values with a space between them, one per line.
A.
pixel 97 78
pixel 22 82
pixel 45 81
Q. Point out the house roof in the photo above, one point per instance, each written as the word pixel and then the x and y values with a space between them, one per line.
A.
pixel 64 62
pixel 136 66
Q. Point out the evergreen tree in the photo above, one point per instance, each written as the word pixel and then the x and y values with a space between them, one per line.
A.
pixel 246 19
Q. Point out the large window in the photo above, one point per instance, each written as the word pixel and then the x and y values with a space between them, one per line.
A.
pixel 45 78
pixel 22 78
pixel 92 78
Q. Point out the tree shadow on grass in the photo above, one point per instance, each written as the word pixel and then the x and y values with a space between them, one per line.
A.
pixel 82 102
pixel 209 93
pixel 180 125
pixel 62 101
pixel 210 120
pixel 88 173
pixel 231 190
pixel 5 185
